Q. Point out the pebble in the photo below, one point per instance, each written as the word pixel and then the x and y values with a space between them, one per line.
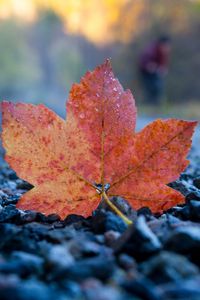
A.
pixel 111 236
pixel 142 289
pixel 195 210
pixel 28 216
pixel 103 221
pixel 196 182
pixel 193 196
pixel 138 240
pixel 127 262
pixel 58 259
pixel 53 218
pixel 167 266
pixel 100 267
pixel 185 240
pixel 9 213
pixel 182 290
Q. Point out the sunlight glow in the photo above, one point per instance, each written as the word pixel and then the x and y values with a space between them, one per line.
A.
pixel 99 21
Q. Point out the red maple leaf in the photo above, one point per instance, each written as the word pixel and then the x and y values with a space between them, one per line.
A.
pixel 95 151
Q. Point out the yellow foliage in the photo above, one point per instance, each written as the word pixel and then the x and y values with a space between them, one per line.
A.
pixel 105 21
pixel 99 21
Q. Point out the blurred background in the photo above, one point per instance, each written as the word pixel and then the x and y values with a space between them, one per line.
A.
pixel 46 45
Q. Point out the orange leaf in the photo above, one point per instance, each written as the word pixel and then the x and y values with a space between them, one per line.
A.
pixel 70 163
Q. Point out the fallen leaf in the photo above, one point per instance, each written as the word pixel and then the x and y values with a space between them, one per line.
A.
pixel 70 163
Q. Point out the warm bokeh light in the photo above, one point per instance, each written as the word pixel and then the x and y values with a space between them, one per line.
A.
pixel 25 9
pixel 99 21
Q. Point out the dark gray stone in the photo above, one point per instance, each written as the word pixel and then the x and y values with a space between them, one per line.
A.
pixel 105 220
pixel 182 290
pixel 31 262
pixel 195 195
pixel 185 240
pixel 195 210
pixel 142 289
pixel 100 267
pixel 168 266
pixel 27 290
pixel 196 182
pixel 127 262
pixel 9 214
pixel 28 216
pixel 138 240
pixel 53 218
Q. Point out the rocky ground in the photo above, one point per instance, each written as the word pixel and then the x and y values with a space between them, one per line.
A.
pixel 157 258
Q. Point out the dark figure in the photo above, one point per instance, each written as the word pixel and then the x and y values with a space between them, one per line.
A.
pixel 153 66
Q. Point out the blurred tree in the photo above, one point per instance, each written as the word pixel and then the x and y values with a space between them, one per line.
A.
pixel 20 72
pixel 68 63
pixel 45 33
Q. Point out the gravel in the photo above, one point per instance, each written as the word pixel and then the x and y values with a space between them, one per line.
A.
pixel 156 258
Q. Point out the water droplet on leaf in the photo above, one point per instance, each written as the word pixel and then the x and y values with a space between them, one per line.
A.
pixel 82 116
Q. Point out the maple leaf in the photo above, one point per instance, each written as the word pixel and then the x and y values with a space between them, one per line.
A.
pixel 95 151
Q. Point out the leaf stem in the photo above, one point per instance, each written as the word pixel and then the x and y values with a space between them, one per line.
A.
pixel 116 210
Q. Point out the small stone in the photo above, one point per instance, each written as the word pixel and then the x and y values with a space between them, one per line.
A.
pixel 142 289
pixel 12 199
pixel 127 262
pixel 179 212
pixel 57 236
pixel 29 263
pixel 9 213
pixel 53 218
pixel 196 182
pixel 23 185
pixel 41 217
pixel 146 212
pixel 185 240
pixel 195 210
pixel 82 247
pixel 7 232
pixel 31 289
pixel 71 289
pixel 11 185
pixel 138 240
pixel 184 213
pixel 28 216
pixel 94 289
pixel 59 257
pixel 182 290
pixel 167 266
pixel 180 186
pixel 193 196
pixel 105 221
pixel 58 224
pixel 12 175
pixel 100 267
pixel 111 236
pixel 70 219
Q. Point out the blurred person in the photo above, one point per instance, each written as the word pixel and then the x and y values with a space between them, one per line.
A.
pixel 153 66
